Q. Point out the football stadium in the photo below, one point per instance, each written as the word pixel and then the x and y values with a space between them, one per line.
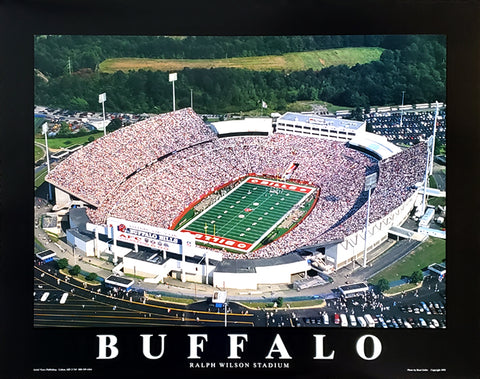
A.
pixel 171 196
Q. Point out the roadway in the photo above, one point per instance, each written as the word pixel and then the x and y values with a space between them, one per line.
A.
pixel 91 306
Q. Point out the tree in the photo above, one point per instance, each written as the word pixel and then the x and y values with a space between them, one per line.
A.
pixel 91 277
pixel 280 302
pixel 62 263
pixel 75 270
pixel 416 277
pixel 357 114
pixel 383 285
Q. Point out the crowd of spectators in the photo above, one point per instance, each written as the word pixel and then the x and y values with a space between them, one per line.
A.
pixel 92 172
pixel 416 125
pixel 199 162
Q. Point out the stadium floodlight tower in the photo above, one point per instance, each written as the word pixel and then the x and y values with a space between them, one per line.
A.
pixel 45 131
pixel 401 114
pixel 172 78
pixel 432 154
pixel 370 183
pixel 101 99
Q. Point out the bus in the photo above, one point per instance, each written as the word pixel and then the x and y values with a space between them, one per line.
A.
pixel 64 298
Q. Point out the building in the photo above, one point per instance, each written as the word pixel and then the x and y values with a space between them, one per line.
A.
pixel 313 125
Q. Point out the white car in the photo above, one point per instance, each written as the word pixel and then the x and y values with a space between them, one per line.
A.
pixel 353 322
pixel 325 319
pixel 361 321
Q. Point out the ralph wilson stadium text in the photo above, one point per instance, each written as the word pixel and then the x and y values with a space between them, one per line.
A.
pixel 154 170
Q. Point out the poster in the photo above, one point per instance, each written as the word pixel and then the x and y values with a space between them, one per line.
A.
pixel 296 352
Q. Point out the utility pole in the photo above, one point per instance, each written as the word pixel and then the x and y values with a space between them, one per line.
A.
pixel 370 183
pixel 401 115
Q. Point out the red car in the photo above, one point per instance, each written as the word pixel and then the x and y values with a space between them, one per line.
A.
pixel 337 319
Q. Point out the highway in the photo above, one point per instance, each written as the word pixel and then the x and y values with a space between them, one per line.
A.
pixel 98 306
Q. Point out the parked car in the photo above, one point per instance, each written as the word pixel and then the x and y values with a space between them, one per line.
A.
pixel 325 319
pixel 336 319
pixel 361 321
pixel 353 321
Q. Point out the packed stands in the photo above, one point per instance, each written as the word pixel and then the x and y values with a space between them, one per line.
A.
pixel 151 172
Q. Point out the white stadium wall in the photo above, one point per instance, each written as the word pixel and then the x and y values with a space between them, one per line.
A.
pixel 280 274
pixel 341 254
pixel 86 246
pixel 243 281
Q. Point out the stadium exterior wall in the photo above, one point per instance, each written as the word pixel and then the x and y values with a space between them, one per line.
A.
pixel 194 272
pixel 352 247
pixel 243 281
pixel 280 274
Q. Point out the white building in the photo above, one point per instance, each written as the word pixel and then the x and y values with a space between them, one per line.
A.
pixel 312 125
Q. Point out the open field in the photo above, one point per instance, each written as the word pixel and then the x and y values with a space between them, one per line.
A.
pixel 431 251
pixel 38 153
pixel 315 60
pixel 60 143
pixel 40 178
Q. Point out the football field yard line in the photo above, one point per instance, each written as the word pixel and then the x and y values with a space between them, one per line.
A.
pixel 270 219
pixel 247 230
pixel 213 205
pixel 249 214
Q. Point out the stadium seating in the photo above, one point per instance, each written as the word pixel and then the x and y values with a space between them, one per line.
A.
pixel 151 171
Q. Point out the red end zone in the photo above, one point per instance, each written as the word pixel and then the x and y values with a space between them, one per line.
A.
pixel 274 184
pixel 220 241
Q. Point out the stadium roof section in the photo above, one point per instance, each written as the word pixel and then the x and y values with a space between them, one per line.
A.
pixel 78 218
pixel 247 126
pixel 378 145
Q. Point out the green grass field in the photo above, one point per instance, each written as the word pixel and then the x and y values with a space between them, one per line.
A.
pixel 246 215
pixel 299 61
pixel 40 178
pixel 38 153
pixel 431 251
pixel 60 143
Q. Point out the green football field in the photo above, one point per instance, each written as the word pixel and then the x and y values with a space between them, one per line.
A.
pixel 247 214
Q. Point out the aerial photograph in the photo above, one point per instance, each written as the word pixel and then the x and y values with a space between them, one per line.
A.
pixel 240 181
